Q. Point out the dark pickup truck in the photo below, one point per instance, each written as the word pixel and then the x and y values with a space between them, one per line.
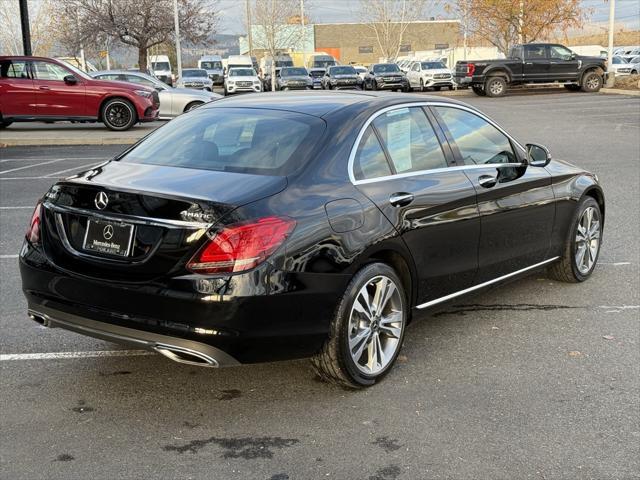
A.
pixel 529 64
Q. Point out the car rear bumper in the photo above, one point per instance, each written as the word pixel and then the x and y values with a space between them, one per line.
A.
pixel 239 315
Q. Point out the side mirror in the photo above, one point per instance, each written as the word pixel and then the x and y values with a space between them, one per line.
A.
pixel 538 155
pixel 70 80
pixel 573 56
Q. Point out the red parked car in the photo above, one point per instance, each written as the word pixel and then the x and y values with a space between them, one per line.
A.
pixel 44 89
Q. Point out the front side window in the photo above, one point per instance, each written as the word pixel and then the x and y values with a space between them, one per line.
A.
pixel 559 52
pixel 410 140
pixel 49 71
pixel 370 160
pixel 478 141
pixel 13 69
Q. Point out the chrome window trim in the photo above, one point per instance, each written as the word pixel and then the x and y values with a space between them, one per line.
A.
pixel 485 284
pixel 356 144
pixel 135 219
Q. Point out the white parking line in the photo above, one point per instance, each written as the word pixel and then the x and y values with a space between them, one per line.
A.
pixel 8 256
pixel 35 159
pixel 63 355
pixel 33 166
pixel 14 208
pixel 78 167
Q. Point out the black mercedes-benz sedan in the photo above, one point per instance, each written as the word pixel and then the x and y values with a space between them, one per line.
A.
pixel 303 225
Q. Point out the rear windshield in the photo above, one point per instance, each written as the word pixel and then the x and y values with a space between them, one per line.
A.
pixel 386 68
pixel 243 140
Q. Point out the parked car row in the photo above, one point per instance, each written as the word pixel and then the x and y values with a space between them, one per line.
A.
pixel 50 90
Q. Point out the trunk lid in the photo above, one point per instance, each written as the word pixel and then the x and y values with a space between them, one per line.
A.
pixel 163 212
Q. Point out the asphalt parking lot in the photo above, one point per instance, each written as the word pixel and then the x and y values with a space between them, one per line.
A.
pixel 536 379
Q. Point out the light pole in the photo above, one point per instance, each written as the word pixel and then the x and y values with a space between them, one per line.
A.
pixel 612 15
pixel 302 34
pixel 177 22
pixel 26 30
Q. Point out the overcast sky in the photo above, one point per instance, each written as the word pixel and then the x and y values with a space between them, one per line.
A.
pixel 331 11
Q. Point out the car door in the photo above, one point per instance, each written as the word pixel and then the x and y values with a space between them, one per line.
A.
pixel 536 63
pixel 515 201
pixel 56 97
pixel 17 92
pixel 562 63
pixel 402 165
pixel 413 75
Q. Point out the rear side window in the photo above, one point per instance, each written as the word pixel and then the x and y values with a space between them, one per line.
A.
pixel 243 140
pixel 410 140
pixel 534 52
pixel 13 69
pixel 370 161
pixel 478 141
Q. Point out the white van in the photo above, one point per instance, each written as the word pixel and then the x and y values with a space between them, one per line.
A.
pixel 321 60
pixel 284 60
pixel 213 65
pixel 161 68
pixel 238 61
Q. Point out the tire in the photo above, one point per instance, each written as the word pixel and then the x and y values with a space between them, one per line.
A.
pixel 479 91
pixel 568 269
pixel 335 362
pixel 118 114
pixel 572 87
pixel 495 86
pixel 374 85
pixel 591 82
pixel 5 123
pixel 450 88
pixel 421 85
pixel 436 89
pixel 191 106
pixel 634 72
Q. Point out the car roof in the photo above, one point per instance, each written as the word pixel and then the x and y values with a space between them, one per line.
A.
pixel 320 104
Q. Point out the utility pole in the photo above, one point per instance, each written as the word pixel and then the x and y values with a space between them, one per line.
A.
pixel 26 30
pixel 612 15
pixel 249 35
pixel 465 27
pixel 177 22
pixel 303 34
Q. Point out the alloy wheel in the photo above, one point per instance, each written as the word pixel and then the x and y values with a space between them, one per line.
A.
pixel 375 325
pixel 118 114
pixel 587 240
pixel 593 82
pixel 496 87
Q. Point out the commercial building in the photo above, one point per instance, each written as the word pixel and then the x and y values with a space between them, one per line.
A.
pixel 356 42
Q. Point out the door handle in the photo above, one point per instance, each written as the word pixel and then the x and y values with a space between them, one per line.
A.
pixel 44 87
pixel 487 181
pixel 528 63
pixel 401 199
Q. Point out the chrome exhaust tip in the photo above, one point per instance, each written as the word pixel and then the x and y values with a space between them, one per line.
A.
pixel 185 355
pixel 40 319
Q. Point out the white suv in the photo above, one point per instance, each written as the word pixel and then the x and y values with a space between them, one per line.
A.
pixel 242 79
pixel 429 74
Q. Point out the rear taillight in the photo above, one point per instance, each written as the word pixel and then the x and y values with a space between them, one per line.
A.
pixel 242 246
pixel 470 69
pixel 33 233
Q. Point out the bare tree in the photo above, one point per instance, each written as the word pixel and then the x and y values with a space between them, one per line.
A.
pixel 140 23
pixel 41 22
pixel 506 22
pixel 276 28
pixel 389 20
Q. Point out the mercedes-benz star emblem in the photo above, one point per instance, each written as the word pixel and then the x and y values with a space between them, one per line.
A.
pixel 101 200
pixel 107 232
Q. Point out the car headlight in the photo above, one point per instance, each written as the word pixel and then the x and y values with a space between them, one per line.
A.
pixel 142 93
pixel 284 82
pixel 256 82
pixel 333 80
pixel 231 83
